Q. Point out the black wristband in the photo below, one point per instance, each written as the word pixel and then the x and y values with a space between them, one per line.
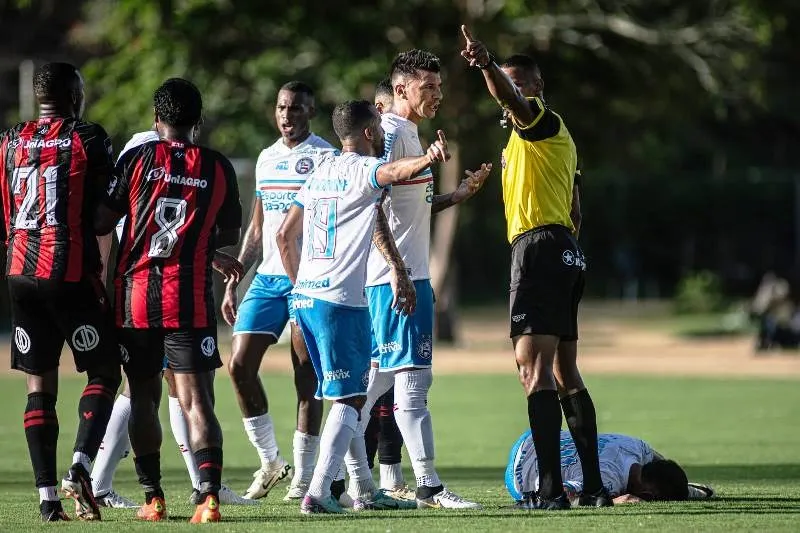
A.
pixel 488 63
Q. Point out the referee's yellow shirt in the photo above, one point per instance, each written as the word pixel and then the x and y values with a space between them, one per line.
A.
pixel 539 165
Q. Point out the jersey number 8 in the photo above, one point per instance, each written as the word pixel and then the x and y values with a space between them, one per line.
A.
pixel 170 215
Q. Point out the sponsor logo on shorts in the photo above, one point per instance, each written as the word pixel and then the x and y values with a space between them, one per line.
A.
pixel 306 303
pixel 425 346
pixel 304 165
pixel 336 375
pixel 85 338
pixel 22 340
pixel 572 258
pixel 365 378
pixel 123 354
pixel 518 318
pixel 207 346
pixel 388 347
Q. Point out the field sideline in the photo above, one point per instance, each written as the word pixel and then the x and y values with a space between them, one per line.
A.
pixel 737 433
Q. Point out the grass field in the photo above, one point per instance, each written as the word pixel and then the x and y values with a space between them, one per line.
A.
pixel 741 436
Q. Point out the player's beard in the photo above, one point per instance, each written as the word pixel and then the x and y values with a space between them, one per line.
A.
pixel 379 145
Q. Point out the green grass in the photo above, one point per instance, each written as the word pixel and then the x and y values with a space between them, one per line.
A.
pixel 740 436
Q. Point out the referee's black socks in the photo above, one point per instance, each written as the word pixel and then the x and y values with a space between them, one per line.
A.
pixel 544 415
pixel 582 422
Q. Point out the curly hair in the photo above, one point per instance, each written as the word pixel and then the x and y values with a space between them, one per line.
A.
pixel 178 103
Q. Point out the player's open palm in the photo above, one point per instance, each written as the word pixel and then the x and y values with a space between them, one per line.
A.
pixel 472 183
pixel 405 295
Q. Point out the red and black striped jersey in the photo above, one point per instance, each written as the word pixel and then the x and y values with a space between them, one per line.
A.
pixel 53 173
pixel 176 197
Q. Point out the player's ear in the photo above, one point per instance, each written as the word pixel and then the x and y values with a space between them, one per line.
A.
pixel 400 90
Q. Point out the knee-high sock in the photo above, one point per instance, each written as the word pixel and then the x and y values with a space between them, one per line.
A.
pixel 305 448
pixel 115 447
pixel 414 420
pixel 180 432
pixel 582 422
pixel 340 427
pixel 361 483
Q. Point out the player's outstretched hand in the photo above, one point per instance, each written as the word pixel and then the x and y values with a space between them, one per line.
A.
pixel 475 52
pixel 438 150
pixel 230 304
pixel 472 183
pixel 227 265
pixel 405 295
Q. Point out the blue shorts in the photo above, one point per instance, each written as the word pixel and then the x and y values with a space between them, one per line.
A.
pixel 338 344
pixel 401 341
pixel 266 307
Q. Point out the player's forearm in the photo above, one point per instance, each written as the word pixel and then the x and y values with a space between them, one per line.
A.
pixel 286 239
pixel 290 257
pixel 252 248
pixel 104 242
pixel 575 213
pixel 442 202
pixel 402 169
pixel 506 93
pixel 384 241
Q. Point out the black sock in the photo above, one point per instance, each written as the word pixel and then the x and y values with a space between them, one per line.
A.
pixel 582 422
pixel 94 411
pixel 390 444
pixel 209 463
pixel 41 432
pixel 148 467
pixel 337 488
pixel 544 415
pixel 371 435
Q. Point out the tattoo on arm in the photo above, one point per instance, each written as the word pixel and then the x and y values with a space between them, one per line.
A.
pixel 251 251
pixel 442 202
pixel 384 241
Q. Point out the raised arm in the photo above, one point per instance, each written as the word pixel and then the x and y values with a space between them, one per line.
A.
pixel 408 167
pixel 499 84
pixel 288 233
pixel 405 295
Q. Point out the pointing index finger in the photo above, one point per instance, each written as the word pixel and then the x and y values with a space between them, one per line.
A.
pixel 467 34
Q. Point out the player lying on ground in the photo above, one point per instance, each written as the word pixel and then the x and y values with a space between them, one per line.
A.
pixel 630 469
pixel 116 444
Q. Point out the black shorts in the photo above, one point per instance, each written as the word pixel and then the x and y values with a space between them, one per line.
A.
pixel 187 350
pixel 547 280
pixel 45 313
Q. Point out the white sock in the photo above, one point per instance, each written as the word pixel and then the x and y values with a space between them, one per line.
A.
pixel 82 458
pixel 115 446
pixel 48 494
pixel 414 420
pixel 340 427
pixel 305 448
pixel 392 477
pixel 361 483
pixel 261 433
pixel 180 431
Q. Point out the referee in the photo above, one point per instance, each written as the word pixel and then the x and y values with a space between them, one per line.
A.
pixel 547 273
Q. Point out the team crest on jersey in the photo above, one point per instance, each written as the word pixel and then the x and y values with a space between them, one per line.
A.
pixel 425 346
pixel 304 165
pixel 156 174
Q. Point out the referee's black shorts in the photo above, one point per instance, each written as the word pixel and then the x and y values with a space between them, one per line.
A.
pixel 547 280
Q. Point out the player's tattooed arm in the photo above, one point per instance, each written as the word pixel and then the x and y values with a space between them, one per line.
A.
pixel 499 84
pixel 405 295
pixel 286 239
pixel 252 247
pixel 466 189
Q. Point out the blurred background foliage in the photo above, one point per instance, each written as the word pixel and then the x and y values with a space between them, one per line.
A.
pixel 684 112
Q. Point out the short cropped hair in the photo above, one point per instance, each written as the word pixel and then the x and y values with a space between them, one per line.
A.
pixel 522 61
pixel 298 87
pixel 55 80
pixel 178 103
pixel 668 478
pixel 352 117
pixel 408 64
pixel 384 88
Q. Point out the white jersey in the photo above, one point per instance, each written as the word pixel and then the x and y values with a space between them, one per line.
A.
pixel 618 453
pixel 137 140
pixel 339 216
pixel 280 172
pixel 408 206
